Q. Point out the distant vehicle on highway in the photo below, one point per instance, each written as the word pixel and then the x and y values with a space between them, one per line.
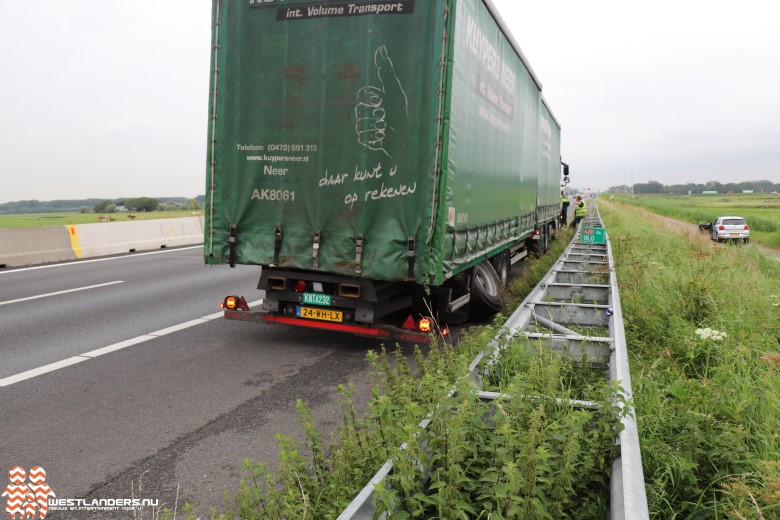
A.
pixel 730 228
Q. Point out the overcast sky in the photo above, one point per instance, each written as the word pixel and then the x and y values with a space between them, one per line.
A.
pixel 108 98
pixel 674 91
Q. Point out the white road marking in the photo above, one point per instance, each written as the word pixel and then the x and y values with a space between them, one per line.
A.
pixel 116 346
pixel 177 328
pixel 82 262
pixel 61 292
pixel 35 372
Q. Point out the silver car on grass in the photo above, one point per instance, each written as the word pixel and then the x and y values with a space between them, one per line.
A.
pixel 730 228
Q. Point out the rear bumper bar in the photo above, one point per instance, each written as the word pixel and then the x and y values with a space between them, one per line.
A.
pixel 377 331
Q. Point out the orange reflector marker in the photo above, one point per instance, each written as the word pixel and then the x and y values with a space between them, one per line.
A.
pixel 424 325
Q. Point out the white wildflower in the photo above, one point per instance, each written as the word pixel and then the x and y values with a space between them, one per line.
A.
pixel 708 333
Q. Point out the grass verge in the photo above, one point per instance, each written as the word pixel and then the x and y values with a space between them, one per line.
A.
pixel 702 330
pixel 762 211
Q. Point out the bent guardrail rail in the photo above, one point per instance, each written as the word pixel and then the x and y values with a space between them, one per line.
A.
pixel 585 272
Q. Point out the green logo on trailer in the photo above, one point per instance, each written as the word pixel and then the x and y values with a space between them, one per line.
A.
pixel 593 235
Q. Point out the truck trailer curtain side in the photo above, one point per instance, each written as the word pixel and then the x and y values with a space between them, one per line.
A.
pixel 400 140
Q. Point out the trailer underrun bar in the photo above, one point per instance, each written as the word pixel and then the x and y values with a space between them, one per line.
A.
pixel 585 272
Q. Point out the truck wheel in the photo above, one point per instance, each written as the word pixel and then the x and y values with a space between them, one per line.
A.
pixel 484 292
pixel 548 232
pixel 502 266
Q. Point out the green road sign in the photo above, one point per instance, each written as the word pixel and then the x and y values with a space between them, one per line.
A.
pixel 593 235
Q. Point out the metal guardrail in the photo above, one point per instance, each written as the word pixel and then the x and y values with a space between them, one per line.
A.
pixel 585 272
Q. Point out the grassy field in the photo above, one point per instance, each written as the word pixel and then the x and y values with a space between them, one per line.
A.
pixel 67 219
pixel 703 331
pixel 760 210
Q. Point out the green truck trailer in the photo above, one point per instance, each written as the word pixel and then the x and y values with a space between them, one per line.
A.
pixel 384 161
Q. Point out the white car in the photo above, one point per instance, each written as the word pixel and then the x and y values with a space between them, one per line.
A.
pixel 730 228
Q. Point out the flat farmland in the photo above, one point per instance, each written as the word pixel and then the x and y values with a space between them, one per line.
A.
pixel 760 210
pixel 70 219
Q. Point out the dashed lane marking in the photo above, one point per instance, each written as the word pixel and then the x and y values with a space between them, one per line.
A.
pixel 60 292
pixel 35 372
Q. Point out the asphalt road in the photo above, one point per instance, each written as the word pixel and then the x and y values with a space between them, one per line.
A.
pixel 143 384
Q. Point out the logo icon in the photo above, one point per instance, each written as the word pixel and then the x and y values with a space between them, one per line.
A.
pixel 27 500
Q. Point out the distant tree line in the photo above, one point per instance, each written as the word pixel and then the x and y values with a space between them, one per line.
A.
pixel 101 205
pixel 653 187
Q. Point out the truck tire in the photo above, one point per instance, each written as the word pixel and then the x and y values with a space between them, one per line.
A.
pixel 502 266
pixel 547 231
pixel 485 301
pixel 540 246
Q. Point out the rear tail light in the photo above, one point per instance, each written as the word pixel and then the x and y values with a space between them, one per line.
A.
pixel 424 324
pixel 746 227
pixel 235 302
pixel 300 286
pixel 537 232
pixel 722 228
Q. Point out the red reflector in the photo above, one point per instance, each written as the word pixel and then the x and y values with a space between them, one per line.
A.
pixel 300 285
pixel 409 323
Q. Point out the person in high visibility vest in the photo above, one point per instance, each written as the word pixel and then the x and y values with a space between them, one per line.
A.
pixel 564 210
pixel 580 210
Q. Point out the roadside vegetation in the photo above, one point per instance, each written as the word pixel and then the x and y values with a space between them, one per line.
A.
pixel 703 332
pixel 35 213
pixel 68 219
pixel 760 210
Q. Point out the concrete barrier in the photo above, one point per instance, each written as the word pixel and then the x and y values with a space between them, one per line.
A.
pixel 27 246
pixel 145 235
pixel 22 247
